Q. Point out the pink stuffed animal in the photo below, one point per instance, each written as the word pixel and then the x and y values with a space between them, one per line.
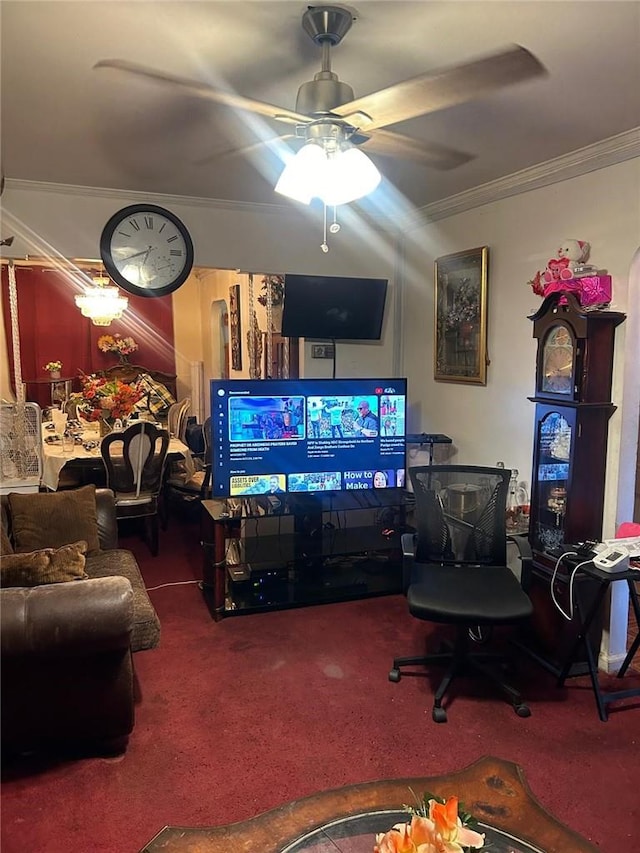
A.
pixel 557 269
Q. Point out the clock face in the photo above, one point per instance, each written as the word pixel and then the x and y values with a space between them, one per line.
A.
pixel 146 250
pixel 557 362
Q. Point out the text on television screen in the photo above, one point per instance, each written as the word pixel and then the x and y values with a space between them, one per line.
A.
pixel 307 435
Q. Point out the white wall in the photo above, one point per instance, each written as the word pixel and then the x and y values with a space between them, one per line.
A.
pixel 495 422
pixel 66 222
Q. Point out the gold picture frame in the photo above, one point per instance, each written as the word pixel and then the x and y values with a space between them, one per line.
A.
pixel 460 342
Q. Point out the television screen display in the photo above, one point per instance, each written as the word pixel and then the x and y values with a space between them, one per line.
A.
pixel 333 308
pixel 307 435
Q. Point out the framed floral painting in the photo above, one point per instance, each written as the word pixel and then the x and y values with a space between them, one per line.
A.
pixel 460 346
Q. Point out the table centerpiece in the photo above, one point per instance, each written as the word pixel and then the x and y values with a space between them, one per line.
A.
pixel 105 400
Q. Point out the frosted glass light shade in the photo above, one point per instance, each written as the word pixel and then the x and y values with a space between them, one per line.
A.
pixel 300 176
pixel 349 175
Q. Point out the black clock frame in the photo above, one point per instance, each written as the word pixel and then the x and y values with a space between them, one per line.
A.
pixel 113 272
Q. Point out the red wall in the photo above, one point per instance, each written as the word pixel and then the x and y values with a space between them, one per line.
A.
pixel 53 329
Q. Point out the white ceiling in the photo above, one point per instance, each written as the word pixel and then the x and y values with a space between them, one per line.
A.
pixel 63 122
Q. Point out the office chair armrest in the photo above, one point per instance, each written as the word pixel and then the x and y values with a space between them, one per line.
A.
pixel 525 555
pixel 408 542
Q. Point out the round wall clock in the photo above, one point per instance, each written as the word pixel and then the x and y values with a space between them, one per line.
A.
pixel 146 250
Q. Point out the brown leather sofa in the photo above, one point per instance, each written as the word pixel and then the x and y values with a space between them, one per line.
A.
pixel 67 673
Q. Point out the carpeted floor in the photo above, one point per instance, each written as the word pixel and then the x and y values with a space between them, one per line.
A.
pixel 246 714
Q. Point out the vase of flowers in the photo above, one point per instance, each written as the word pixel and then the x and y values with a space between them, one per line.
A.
pixel 54 369
pixel 105 400
pixel 123 347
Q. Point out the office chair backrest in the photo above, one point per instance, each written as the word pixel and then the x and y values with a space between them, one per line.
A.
pixel 461 513
pixel 134 458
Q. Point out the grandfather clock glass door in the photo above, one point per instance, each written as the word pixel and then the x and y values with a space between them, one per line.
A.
pixel 555 430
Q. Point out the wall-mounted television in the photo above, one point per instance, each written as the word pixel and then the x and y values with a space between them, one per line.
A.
pixel 307 435
pixel 333 308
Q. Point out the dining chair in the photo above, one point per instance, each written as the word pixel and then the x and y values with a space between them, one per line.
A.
pixel 191 486
pixel 177 419
pixel 134 461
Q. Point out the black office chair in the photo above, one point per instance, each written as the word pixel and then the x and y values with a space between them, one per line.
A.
pixel 134 460
pixel 455 571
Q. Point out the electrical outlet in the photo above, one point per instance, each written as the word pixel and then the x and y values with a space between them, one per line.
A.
pixel 321 350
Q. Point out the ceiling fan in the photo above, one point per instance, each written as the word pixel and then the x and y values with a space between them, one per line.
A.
pixel 327 111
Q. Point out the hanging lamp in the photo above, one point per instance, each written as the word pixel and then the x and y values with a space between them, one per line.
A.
pixel 102 301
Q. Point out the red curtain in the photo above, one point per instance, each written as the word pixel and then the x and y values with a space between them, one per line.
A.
pixel 53 329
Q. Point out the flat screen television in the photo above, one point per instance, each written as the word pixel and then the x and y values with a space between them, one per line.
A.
pixel 307 435
pixel 333 308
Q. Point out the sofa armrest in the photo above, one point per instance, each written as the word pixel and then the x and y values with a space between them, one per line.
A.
pixel 107 520
pixel 77 618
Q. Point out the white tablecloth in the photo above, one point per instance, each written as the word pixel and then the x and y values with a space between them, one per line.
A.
pixel 55 458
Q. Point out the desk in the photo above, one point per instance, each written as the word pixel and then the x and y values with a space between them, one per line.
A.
pixel 54 458
pixel 605 580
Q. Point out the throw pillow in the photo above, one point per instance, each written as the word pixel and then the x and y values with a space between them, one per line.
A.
pixel 53 519
pixel 46 566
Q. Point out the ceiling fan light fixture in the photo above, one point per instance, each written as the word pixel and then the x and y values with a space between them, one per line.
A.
pixel 335 176
pixel 100 302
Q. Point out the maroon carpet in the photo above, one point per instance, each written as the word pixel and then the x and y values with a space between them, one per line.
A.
pixel 241 716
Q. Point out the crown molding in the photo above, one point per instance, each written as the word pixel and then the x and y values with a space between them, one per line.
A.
pixel 136 197
pixel 608 152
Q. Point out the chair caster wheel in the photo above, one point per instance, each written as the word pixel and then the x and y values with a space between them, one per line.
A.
pixel 522 710
pixel 394 675
pixel 439 715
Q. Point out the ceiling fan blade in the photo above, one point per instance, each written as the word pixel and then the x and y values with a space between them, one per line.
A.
pixel 204 90
pixel 390 144
pixel 243 150
pixel 440 89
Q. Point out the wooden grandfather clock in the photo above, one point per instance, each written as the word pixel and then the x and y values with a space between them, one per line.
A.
pixel 574 369
pixel 573 406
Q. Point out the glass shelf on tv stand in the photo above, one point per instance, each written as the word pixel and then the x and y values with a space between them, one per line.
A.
pixel 270 552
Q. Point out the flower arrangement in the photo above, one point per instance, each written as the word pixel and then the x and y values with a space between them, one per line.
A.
pixel 436 827
pixel 103 398
pixel 52 365
pixel 277 289
pixel 118 344
pixel 465 307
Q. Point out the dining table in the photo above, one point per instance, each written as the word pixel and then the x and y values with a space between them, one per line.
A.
pixel 82 450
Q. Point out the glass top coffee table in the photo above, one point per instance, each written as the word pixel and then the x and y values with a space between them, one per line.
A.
pixel 346 820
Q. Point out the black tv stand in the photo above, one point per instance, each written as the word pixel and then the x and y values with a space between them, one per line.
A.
pixel 312 549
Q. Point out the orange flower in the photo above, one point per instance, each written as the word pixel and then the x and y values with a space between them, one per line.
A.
pixel 441 832
pixel 450 829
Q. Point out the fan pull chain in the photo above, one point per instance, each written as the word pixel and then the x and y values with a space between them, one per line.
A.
pixel 335 225
pixel 323 245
